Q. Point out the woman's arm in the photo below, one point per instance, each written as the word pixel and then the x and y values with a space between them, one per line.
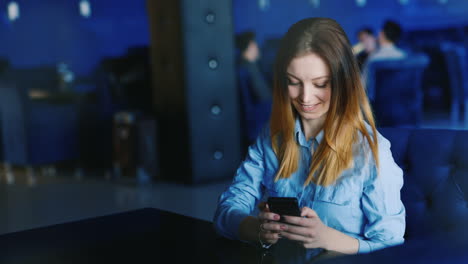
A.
pixel 311 232
pixel 233 218
pixel 340 242
pixel 381 203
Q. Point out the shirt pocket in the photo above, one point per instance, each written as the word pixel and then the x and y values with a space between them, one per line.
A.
pixel 336 195
pixel 342 199
pixel 333 206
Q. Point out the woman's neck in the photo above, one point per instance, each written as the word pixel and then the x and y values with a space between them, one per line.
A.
pixel 312 127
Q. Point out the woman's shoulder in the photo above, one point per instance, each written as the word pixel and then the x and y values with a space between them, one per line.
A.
pixel 262 148
pixel 382 142
pixel 362 150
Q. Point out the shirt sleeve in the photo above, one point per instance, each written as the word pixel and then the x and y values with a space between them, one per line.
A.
pixel 240 198
pixel 381 203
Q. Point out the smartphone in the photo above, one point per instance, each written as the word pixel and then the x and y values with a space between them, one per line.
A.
pixel 284 206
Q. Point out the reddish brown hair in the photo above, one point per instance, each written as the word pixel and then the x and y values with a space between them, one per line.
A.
pixel 349 106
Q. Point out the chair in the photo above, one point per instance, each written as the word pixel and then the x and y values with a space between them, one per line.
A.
pixel 435 173
pixel 456 61
pixel 35 131
pixel 395 90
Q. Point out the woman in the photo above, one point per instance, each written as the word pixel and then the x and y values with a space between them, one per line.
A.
pixel 321 147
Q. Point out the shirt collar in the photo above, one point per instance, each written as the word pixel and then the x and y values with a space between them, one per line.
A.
pixel 388 46
pixel 300 137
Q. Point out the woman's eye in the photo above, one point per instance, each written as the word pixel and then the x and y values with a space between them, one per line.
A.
pixel 290 82
pixel 321 85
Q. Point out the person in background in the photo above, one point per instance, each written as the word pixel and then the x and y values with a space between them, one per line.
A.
pixel 254 89
pixel 388 38
pixel 249 59
pixel 322 147
pixel 366 46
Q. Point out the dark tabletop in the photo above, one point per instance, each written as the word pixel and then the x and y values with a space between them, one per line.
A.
pixel 146 234
pixel 156 236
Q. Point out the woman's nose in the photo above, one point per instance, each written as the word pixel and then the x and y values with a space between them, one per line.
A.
pixel 307 94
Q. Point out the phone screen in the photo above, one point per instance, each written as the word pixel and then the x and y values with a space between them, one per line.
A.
pixel 284 206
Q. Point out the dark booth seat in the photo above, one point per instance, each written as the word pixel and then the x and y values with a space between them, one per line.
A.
pixel 435 188
pixel 395 90
pixel 450 249
pixel 37 127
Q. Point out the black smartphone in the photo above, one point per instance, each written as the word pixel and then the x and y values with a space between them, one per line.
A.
pixel 284 206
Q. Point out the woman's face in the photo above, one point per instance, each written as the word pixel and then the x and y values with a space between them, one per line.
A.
pixel 309 86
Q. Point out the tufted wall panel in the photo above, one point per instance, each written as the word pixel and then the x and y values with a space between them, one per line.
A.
pixel 195 96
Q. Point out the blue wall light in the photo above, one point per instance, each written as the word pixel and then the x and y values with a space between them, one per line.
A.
pixel 404 2
pixel 315 3
pixel 85 8
pixel 13 11
pixel 263 4
pixel 361 3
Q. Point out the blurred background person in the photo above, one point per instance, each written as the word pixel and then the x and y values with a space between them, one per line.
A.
pixel 256 95
pixel 367 44
pixel 249 60
pixel 387 50
pixel 388 38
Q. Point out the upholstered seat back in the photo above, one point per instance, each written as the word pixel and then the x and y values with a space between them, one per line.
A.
pixel 457 68
pixel 35 131
pixel 396 91
pixel 435 165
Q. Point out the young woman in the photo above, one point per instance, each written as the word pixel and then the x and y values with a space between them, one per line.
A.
pixel 321 147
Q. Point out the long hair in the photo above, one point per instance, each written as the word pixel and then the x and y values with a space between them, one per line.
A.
pixel 349 106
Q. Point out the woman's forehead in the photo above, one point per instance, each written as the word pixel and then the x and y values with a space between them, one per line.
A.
pixel 308 66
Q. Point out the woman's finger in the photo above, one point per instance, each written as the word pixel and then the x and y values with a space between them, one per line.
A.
pixel 271 227
pixel 262 206
pixel 268 216
pixel 308 212
pixel 269 237
pixel 295 237
pixel 297 230
pixel 298 221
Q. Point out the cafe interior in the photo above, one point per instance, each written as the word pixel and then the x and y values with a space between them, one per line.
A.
pixel 117 108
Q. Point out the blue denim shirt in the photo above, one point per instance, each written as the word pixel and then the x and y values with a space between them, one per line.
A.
pixel 363 203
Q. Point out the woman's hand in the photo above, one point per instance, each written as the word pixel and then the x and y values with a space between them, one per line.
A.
pixel 269 229
pixel 307 229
